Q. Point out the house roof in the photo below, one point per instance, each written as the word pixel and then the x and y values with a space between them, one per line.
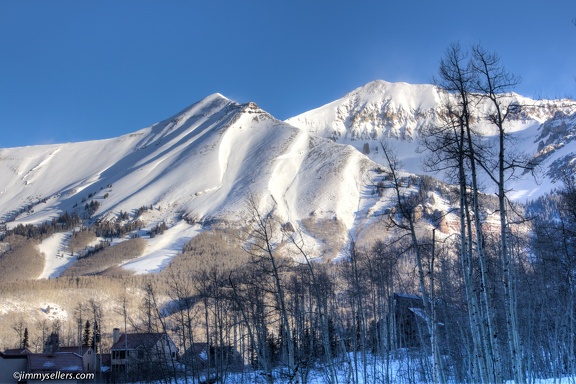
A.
pixel 196 351
pixel 198 347
pixel 407 296
pixel 9 356
pixel 137 340
pixel 17 351
pixel 63 361
pixel 75 349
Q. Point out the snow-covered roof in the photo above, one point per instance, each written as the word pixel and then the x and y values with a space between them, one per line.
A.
pixel 60 361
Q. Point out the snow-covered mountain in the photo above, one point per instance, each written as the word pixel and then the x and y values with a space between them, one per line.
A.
pixel 400 113
pixel 200 164
pixel 200 167
pixel 318 171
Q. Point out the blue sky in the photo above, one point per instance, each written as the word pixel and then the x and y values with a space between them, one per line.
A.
pixel 82 70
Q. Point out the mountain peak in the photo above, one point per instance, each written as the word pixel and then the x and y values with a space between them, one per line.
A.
pixel 375 110
pixel 381 86
pixel 400 113
pixel 217 101
pixel 216 96
pixel 403 95
pixel 207 105
pixel 213 99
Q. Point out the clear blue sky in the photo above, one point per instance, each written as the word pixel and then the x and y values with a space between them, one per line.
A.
pixel 81 70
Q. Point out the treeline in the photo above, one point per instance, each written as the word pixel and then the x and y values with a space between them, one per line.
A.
pixel 62 223
pixel 258 311
pixel 69 221
pixel 551 288
pixel 69 283
pixel 111 229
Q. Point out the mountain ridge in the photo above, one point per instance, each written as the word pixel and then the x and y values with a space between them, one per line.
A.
pixel 198 168
pixel 381 110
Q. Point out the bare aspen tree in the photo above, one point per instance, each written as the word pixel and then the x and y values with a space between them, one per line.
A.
pixel 492 82
pixel 96 342
pixel 447 147
pixel 356 293
pixel 250 298
pixel 322 308
pixel 181 292
pixel 261 245
pixel 19 327
pixel 169 367
pixel 383 268
pixel 457 147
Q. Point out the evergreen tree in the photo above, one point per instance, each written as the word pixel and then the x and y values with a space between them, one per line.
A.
pixel 25 340
pixel 95 337
pixel 86 336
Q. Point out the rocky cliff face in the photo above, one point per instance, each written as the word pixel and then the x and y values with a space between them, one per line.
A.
pixel 400 114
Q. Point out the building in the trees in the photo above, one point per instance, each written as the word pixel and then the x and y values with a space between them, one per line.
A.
pixel 408 320
pixel 89 358
pixel 142 352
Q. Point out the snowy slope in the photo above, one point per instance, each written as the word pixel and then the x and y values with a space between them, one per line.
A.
pixel 399 114
pixel 202 163
pixel 200 166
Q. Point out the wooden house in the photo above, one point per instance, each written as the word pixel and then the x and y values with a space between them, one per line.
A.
pixel 408 321
pixel 142 351
pixel 89 358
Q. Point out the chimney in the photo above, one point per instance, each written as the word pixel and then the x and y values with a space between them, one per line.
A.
pixel 115 335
